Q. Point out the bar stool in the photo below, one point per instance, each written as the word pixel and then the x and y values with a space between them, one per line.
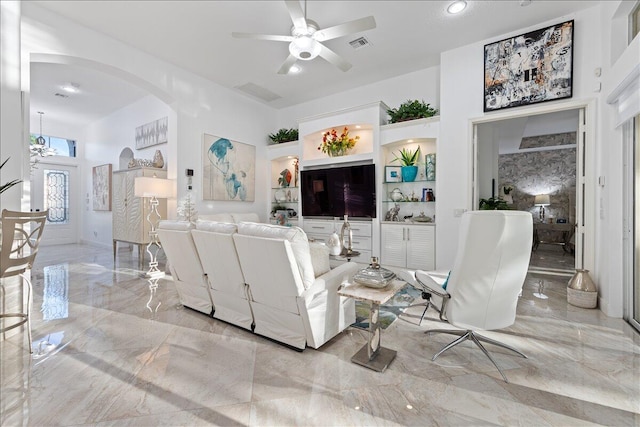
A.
pixel 21 234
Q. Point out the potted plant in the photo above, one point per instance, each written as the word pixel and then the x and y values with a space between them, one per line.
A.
pixel 493 204
pixel 411 110
pixel 408 158
pixel 337 145
pixel 284 135
pixel 4 187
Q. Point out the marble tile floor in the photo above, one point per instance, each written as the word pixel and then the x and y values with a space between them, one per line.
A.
pixel 103 358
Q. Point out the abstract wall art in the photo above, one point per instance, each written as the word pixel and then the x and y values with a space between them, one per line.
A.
pixel 529 68
pixel 228 170
pixel 102 187
pixel 153 133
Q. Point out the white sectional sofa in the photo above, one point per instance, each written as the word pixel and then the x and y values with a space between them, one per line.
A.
pixel 261 277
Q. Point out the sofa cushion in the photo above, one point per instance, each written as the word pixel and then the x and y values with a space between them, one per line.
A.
pixel 168 224
pixel 217 227
pixel 245 217
pixel 319 258
pixel 296 237
pixel 220 217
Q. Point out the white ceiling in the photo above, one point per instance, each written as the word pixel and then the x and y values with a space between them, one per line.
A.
pixel 99 94
pixel 196 35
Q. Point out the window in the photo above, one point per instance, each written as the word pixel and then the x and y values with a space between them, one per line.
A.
pixel 62 146
pixel 56 196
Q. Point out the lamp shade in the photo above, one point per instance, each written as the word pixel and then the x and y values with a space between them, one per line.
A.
pixel 542 200
pixel 159 188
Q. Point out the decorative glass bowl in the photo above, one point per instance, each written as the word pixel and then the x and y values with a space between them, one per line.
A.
pixel 374 276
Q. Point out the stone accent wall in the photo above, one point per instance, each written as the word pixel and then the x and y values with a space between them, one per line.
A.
pixel 550 172
pixel 553 140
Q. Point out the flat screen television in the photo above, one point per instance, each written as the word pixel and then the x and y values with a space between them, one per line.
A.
pixel 335 192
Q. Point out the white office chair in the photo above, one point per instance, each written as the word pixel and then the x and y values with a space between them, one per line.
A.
pixel 21 234
pixel 489 270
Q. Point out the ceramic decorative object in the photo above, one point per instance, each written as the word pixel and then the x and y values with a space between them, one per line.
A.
pixel 396 195
pixel 333 243
pixel 158 160
pixel 582 291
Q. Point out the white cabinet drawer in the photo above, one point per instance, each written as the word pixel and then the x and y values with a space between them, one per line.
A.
pixel 360 228
pixel 319 227
pixel 360 242
pixel 318 237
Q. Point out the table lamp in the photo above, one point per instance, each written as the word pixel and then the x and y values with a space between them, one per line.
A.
pixel 542 200
pixel 153 188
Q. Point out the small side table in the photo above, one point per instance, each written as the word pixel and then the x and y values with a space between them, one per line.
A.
pixel 373 355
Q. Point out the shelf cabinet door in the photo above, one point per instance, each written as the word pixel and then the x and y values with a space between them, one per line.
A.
pixel 420 247
pixel 393 251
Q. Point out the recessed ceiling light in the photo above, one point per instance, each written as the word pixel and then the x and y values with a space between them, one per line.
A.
pixel 295 69
pixel 71 87
pixel 457 7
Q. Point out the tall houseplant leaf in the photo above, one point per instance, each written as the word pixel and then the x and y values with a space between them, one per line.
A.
pixel 8 185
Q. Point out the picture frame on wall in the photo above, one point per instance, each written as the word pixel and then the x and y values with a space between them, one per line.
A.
pixel 530 68
pixel 152 133
pixel 393 174
pixel 228 170
pixel 102 187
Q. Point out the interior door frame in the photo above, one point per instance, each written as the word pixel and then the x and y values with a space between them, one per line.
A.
pixel 585 169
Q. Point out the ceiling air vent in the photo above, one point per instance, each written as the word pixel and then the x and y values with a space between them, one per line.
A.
pixel 359 43
pixel 258 92
pixel 61 95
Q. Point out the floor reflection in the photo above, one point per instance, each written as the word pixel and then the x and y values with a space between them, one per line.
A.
pixel 55 298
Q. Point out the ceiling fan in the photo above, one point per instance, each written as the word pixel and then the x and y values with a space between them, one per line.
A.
pixel 305 41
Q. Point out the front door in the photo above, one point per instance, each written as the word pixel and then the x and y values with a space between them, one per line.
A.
pixel 55 187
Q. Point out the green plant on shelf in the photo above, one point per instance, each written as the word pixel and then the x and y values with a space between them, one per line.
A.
pixel 283 135
pixel 411 110
pixel 408 157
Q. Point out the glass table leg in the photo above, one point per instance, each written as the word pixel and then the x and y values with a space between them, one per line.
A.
pixel 373 355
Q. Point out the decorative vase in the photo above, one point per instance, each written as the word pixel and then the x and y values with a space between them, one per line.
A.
pixel 338 152
pixel 582 291
pixel 409 173
pixel 333 243
pixel 158 160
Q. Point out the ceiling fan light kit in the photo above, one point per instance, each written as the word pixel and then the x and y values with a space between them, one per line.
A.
pixel 305 48
pixel 306 39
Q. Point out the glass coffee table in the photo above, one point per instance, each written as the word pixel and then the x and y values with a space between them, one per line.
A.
pixel 373 355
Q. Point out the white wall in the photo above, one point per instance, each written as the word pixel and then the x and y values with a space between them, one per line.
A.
pixel 10 106
pixel 422 84
pixel 103 142
pixel 458 68
pixel 199 106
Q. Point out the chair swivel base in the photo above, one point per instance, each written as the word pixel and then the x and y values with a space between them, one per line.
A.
pixel 476 338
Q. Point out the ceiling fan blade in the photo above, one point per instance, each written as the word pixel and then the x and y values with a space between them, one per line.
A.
pixel 351 27
pixel 297 16
pixel 333 58
pixel 274 38
pixel 288 63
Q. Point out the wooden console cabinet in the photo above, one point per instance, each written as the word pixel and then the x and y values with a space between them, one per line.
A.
pixel 129 222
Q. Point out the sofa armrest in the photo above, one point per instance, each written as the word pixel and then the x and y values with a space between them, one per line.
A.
pixel 331 280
